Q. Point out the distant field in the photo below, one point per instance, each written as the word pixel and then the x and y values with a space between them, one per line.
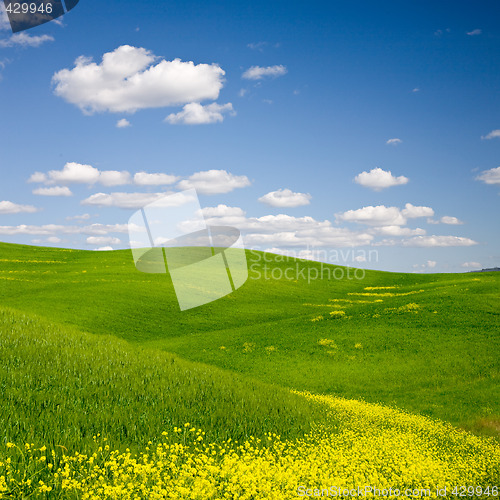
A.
pixel 427 343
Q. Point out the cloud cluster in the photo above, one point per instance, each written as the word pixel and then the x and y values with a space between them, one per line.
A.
pixel 132 78
pixel 285 198
pixel 378 179
pixel 25 40
pixel 9 207
pixel 385 216
pixel 491 176
pixel 214 182
pixel 195 113
pixel 260 72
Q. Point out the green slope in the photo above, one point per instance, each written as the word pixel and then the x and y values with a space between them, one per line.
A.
pixel 430 345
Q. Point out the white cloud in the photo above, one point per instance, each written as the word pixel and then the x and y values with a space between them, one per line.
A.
pixel 260 72
pixel 412 212
pixel 8 207
pixel 257 46
pixel 285 198
pixel 80 218
pixel 416 89
pixel 54 239
pixel 446 219
pixel 431 264
pixel 214 182
pixel 135 200
pixel 430 241
pixel 491 176
pixel 82 174
pixel 127 80
pixel 378 179
pixel 25 40
pixel 475 265
pixel 494 134
pixel 123 123
pixel 474 32
pixel 222 211
pixel 53 191
pixel 4 19
pixel 103 240
pixel 398 231
pixel 114 178
pixel 374 216
pixel 195 113
pixel 104 249
pixel 52 229
pixel 394 141
pixel 145 179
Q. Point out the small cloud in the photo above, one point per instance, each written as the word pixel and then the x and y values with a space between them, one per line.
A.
pixel 103 240
pixel 104 249
pixel 123 123
pixel 53 239
pixel 25 40
pixel 450 220
pixel 475 32
pixel 242 92
pixel 260 72
pixel 416 89
pixel 195 113
pixel 394 141
pixel 494 134
pixel 378 179
pixel 267 101
pixel 8 207
pixel 222 211
pixel 491 176
pixel 79 218
pixel 53 191
pixel 475 265
pixel 296 92
pixel 145 179
pixel 257 46
pixel 214 182
pixel 285 198
pixel 431 264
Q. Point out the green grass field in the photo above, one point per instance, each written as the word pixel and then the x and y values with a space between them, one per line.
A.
pixel 89 345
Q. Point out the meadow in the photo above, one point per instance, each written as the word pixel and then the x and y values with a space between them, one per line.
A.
pixel 97 359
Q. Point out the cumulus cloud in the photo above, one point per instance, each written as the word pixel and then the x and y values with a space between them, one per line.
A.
pixel 79 218
pixel 81 174
pixel 494 134
pixel 472 264
pixel 430 241
pixel 52 229
pixel 260 72
pixel 446 219
pixel 135 200
pixel 398 231
pixel 378 179
pixel 491 176
pixel 123 123
pixel 53 191
pixel 8 207
pixel 195 113
pixel 412 212
pixel 214 182
pixel 285 198
pixel 103 240
pixel 145 179
pixel 127 80
pixel 474 32
pixel 25 40
pixel 222 211
pixel 104 249
pixel 394 141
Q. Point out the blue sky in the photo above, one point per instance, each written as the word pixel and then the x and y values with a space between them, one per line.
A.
pixel 281 122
